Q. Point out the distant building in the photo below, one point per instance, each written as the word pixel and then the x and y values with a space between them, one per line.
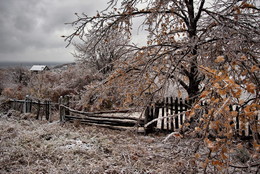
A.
pixel 39 68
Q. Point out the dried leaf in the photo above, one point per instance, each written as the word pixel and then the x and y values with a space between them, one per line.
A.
pixel 220 59
pixel 251 88
pixel 204 94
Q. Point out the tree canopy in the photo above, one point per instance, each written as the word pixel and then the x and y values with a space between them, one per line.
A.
pixel 183 35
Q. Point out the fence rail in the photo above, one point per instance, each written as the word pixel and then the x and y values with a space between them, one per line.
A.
pixel 40 108
pixel 114 119
pixel 98 119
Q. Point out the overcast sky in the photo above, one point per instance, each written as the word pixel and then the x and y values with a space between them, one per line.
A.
pixel 31 30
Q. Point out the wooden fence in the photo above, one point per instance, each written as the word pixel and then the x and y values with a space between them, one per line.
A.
pixel 115 119
pixel 110 119
pixel 169 115
pixel 40 108
pixel 162 110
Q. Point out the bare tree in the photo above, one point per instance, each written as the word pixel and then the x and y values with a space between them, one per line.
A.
pixel 100 54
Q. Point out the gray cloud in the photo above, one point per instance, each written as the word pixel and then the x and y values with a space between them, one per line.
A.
pixel 31 29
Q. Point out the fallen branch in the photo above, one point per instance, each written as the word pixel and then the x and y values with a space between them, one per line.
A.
pixel 244 167
pixel 173 134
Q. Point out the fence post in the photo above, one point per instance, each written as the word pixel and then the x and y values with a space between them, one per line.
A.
pixel 60 108
pixel 30 105
pixel 148 117
pixel 47 110
pixel 14 104
pixel 181 110
pixel 163 114
pixel 26 104
pixel 156 114
pixel 63 101
pixel 67 103
pixel 38 109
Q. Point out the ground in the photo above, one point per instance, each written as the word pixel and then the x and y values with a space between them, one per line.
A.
pixel 33 146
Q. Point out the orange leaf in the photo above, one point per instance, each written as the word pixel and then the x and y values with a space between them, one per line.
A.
pixel 243 57
pixel 217 163
pixel 238 93
pixel 197 155
pixel 234 113
pixel 254 68
pixel 216 85
pixel 251 88
pixel 245 72
pixel 197 129
pixel 223 156
pixel 240 146
pixel 220 59
pixel 204 94
pixel 247 5
pixel 222 92
pixel 210 144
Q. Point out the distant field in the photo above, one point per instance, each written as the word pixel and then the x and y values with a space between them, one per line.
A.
pixel 28 64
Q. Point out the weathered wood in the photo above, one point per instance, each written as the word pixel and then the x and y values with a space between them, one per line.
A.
pixel 167 113
pixel 26 106
pixel 156 114
pixel 148 119
pixel 30 106
pixel 181 110
pixel 114 122
pixel 237 119
pixel 112 111
pixel 163 114
pixel 47 110
pixel 176 112
pixel 66 102
pixel 107 126
pixel 62 113
pixel 38 110
pixel 171 106
pixel 94 114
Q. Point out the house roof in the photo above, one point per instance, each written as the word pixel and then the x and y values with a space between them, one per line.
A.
pixel 39 68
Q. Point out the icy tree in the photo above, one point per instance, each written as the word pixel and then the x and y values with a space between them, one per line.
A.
pixel 210 49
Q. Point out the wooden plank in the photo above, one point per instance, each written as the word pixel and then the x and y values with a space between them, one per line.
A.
pixel 156 114
pixel 101 118
pixel 113 111
pixel 237 119
pixel 107 126
pixel 31 103
pixel 181 110
pixel 163 113
pixel 167 113
pixel 176 105
pixel 146 119
pixel 38 110
pixel 114 122
pixel 171 111
pixel 91 114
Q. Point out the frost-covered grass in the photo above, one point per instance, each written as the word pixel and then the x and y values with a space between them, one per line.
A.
pixel 33 146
